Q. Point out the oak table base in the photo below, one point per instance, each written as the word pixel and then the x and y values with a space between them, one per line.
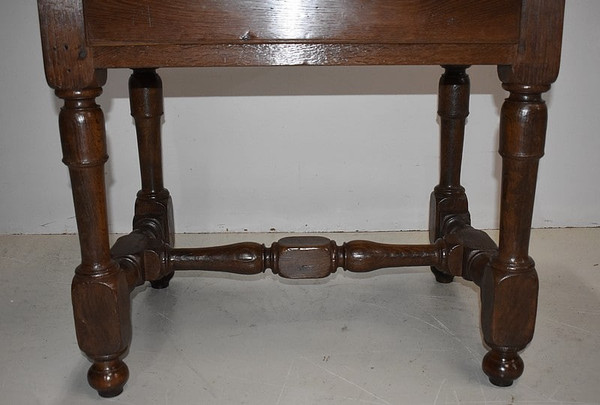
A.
pixel 83 38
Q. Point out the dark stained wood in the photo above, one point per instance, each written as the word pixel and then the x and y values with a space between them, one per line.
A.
pixel 67 60
pixel 477 248
pixel 146 101
pixel 153 205
pixel 145 22
pixel 301 54
pixel 538 58
pixel 448 198
pixel 314 257
pixel 363 255
pixel 509 287
pixel 453 110
pixel 241 258
pixel 82 38
pixel 100 291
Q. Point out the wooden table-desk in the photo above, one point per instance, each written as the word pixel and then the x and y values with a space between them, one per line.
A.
pixel 83 38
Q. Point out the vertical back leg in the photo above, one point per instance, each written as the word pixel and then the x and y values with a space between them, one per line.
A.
pixel 509 287
pixel 153 207
pixel 100 293
pixel 448 198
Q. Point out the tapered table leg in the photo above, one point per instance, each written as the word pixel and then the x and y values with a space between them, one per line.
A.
pixel 448 197
pixel 153 207
pixel 509 288
pixel 100 294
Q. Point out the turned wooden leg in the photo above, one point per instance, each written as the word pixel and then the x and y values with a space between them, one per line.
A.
pixel 101 303
pixel 153 207
pixel 509 286
pixel 448 197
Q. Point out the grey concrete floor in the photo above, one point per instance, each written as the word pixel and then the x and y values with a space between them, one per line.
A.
pixel 388 337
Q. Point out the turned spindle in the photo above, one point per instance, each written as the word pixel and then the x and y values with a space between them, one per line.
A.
pixel 315 257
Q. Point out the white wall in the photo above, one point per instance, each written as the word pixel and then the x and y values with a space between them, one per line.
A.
pixel 296 149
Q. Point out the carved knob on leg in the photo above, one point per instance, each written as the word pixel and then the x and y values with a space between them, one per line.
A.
pixel 502 367
pixel 162 282
pixel 441 277
pixel 108 377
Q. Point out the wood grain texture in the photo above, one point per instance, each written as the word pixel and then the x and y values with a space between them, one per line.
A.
pixel 509 287
pixel 538 59
pixel 67 60
pixel 146 22
pixel 448 197
pixel 81 38
pixel 100 291
pixel 314 257
pixel 301 54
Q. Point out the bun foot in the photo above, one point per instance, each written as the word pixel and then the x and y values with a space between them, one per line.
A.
pixel 108 377
pixel 442 277
pixel 502 367
pixel 162 282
